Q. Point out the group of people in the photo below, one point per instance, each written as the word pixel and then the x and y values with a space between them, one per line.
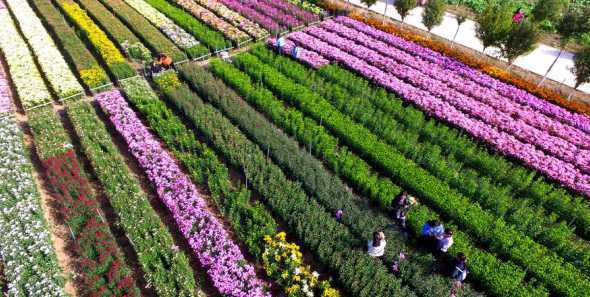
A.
pixel 280 44
pixel 433 236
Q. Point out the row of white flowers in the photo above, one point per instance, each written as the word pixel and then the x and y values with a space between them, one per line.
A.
pixel 52 63
pixel 25 75
pixel 173 31
pixel 31 266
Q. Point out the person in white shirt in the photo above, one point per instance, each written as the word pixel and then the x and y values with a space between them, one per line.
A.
pixel 445 242
pixel 376 247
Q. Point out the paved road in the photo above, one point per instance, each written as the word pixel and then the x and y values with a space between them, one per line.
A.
pixel 537 61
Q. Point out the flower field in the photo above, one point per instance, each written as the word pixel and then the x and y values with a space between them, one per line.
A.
pixel 264 173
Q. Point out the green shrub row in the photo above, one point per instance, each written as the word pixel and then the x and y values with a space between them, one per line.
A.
pixel 75 51
pixel 168 271
pixel 250 221
pixel 213 39
pixel 150 35
pixel 520 212
pixel 330 242
pixel 563 278
pixel 324 187
pixel 508 176
pixel 508 279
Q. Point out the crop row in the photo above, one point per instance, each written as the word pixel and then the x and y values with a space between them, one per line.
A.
pixel 208 239
pixel 30 262
pixel 88 69
pixel 518 180
pixel 324 187
pixel 232 33
pixel 25 76
pixel 52 63
pixel 332 244
pixel 508 144
pixel 212 39
pixel 148 33
pixel 517 211
pixel 506 282
pixel 562 277
pixel 251 221
pixel 98 263
pixel 234 18
pixel 488 115
pixel 264 20
pixel 97 39
pixel 167 270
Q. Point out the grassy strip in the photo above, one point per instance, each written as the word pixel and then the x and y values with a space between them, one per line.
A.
pixel 561 277
pixel 99 264
pixel 327 189
pixel 523 182
pixel 167 270
pixel 213 39
pixel 98 39
pixel 520 212
pixel 509 277
pixel 251 221
pixel 74 49
pixel 332 244
pixel 149 34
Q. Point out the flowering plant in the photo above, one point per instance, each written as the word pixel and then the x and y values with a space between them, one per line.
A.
pixel 52 63
pixel 284 262
pixel 25 75
pixel 235 18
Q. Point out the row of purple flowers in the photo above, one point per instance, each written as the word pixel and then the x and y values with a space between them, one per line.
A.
pixel 560 148
pixel 308 57
pixel 555 168
pixel 222 258
pixel 509 91
pixel 275 16
pixel 466 86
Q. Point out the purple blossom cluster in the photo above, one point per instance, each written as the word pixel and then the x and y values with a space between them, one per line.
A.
pixel 5 102
pixel 301 14
pixel 509 91
pixel 310 58
pixel 430 81
pixel 269 17
pixel 222 258
pixel 554 167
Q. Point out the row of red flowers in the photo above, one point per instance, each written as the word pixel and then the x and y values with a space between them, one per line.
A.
pixel 98 265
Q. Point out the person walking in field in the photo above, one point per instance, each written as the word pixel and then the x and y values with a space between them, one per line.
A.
pixel 459 273
pixel 376 247
pixel 445 242
pixel 162 62
pixel 280 44
pixel 402 205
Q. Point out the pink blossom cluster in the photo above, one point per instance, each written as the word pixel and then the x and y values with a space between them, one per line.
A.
pixel 222 258
pixel 559 147
pixel 554 167
pixel 262 19
pixel 513 93
pixel 308 57
pixel 466 86
pixel 5 102
pixel 272 16
pixel 301 14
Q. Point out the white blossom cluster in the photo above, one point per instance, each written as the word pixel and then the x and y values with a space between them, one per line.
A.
pixel 52 63
pixel 31 266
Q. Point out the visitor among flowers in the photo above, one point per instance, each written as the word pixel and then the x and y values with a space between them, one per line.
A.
pixel 445 242
pixel 376 247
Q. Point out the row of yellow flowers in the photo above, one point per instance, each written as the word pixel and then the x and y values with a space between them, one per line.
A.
pixel 283 262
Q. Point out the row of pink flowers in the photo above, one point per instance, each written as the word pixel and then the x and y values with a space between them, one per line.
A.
pixel 466 86
pixel 265 15
pixel 509 91
pixel 555 168
pixel 292 9
pixel 308 57
pixel 5 102
pixel 559 147
pixel 222 258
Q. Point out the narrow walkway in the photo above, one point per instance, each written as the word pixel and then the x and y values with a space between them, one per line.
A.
pixel 537 61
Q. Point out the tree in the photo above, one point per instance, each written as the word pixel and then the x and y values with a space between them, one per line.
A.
pixel 581 68
pixel 369 3
pixel 574 23
pixel 550 10
pixel 521 39
pixel 433 13
pixel 404 7
pixel 461 18
pixel 494 24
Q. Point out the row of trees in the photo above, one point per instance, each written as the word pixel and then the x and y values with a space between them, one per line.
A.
pixel 497 28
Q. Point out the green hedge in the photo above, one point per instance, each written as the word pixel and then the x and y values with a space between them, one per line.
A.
pixel 508 281
pixel 331 243
pixel 168 271
pixel 563 278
